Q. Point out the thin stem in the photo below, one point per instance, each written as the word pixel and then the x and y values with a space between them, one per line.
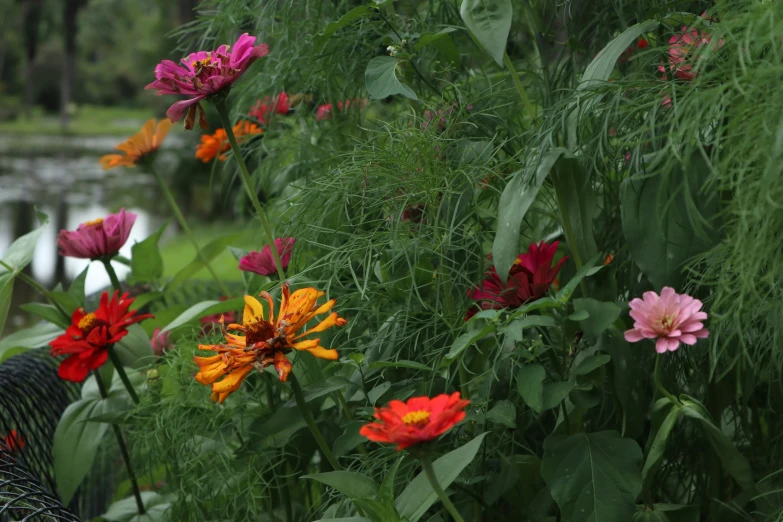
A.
pixel 184 224
pixel 520 86
pixel 430 472
pixel 115 360
pixel 245 175
pixel 123 449
pixel 659 384
pixel 35 285
pixel 308 417
pixel 115 282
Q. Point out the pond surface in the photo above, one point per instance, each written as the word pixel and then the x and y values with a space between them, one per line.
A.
pixel 61 177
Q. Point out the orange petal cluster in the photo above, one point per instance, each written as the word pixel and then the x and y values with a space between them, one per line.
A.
pixel 216 145
pixel 146 141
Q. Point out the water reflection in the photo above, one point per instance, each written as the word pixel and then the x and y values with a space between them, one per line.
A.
pixel 67 183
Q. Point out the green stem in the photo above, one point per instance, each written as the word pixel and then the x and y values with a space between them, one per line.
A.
pixel 184 224
pixel 123 449
pixel 520 87
pixel 245 175
pixel 464 378
pixel 659 384
pixel 115 360
pixel 35 285
pixel 310 421
pixel 430 472
pixel 115 282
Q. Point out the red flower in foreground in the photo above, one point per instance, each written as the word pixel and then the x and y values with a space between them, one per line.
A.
pixel 279 104
pixel 421 419
pixel 86 341
pixel 13 441
pixel 530 277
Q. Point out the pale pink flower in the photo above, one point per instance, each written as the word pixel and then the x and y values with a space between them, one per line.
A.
pixel 161 341
pixel 97 238
pixel 205 73
pixel 684 51
pixel 671 318
pixel 263 262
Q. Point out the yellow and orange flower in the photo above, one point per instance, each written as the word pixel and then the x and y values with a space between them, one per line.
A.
pixel 263 340
pixel 146 141
pixel 217 144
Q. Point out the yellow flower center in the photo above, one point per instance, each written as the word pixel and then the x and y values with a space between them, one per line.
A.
pixel 417 418
pixel 87 323
pixel 666 323
pixel 93 222
pixel 200 64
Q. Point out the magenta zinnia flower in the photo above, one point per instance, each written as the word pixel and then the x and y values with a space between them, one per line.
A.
pixel 263 262
pixel 97 238
pixel 672 318
pixel 684 51
pixel 530 277
pixel 160 342
pixel 205 73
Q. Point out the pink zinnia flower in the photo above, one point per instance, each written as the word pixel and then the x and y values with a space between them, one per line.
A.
pixel 529 278
pixel 672 318
pixel 324 111
pixel 279 104
pixel 263 262
pixel 161 341
pixel 97 238
pixel 681 46
pixel 205 73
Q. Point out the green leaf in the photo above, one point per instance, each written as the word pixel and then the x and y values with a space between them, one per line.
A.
pixel 6 293
pixel 601 315
pixel 344 519
pixel 377 511
pixel 352 485
pixel 565 293
pixel 413 365
pixel 68 302
pixel 386 492
pixel 125 510
pixel 210 251
pixel 205 308
pixel 135 350
pixel 465 340
pixel 381 79
pixel 321 388
pixel 490 22
pixel 530 384
pixel 554 393
pixel 21 251
pixel 590 363
pixel 576 201
pixel 593 476
pixel 503 412
pixel 349 440
pixel 442 42
pixel 146 262
pixel 514 203
pixel 30 338
pixel 332 27
pixel 48 312
pixel 417 498
pixel 658 444
pixel 76 290
pixel 650 516
pixel 657 224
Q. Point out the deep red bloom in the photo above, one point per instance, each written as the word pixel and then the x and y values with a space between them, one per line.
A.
pixel 530 277
pixel 86 341
pixel 13 441
pixel 279 104
pixel 419 420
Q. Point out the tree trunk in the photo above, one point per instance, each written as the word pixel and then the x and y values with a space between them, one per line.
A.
pixel 70 12
pixel 31 19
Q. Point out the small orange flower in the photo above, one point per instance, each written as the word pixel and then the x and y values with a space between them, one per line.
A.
pixel 263 341
pixel 146 141
pixel 419 420
pixel 608 259
pixel 13 441
pixel 217 144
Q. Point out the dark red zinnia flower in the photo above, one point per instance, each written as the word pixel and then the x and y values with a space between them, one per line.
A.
pixel 419 420
pixel 530 277
pixel 86 341
pixel 277 105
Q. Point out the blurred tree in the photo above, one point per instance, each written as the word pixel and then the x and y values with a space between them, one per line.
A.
pixel 32 11
pixel 70 29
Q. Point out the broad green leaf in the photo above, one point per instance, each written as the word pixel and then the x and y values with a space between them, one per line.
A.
pixel 205 308
pixel 658 444
pixel 601 315
pixel 6 292
pixel 349 440
pixel 631 384
pixel 146 262
pixel 68 302
pixel 125 510
pixel 377 511
pixel 48 312
pixel 530 384
pixel 442 42
pixel 514 203
pixel 321 388
pixel 554 393
pixel 21 251
pixel 650 516
pixel 210 251
pixel 134 350
pixel 657 224
pixel 76 290
pixel 503 412
pixel 377 392
pixel 679 512
pixel 413 365
pixel 593 476
pixel 277 430
pixel 30 338
pixel 352 485
pixel 590 363
pixel 490 22
pixel 576 202
pixel 381 79
pixel 565 293
pixel 386 492
pixel 417 498
pixel 332 27
pixel 465 340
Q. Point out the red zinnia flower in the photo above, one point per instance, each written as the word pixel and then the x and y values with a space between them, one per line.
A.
pixel 419 420
pixel 87 340
pixel 13 441
pixel 530 277
pixel 279 104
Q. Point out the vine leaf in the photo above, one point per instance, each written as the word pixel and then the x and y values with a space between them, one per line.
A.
pixel 381 79
pixel 490 23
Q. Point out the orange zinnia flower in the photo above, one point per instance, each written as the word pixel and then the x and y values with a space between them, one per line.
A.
pixel 217 144
pixel 263 341
pixel 146 141
pixel 419 420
